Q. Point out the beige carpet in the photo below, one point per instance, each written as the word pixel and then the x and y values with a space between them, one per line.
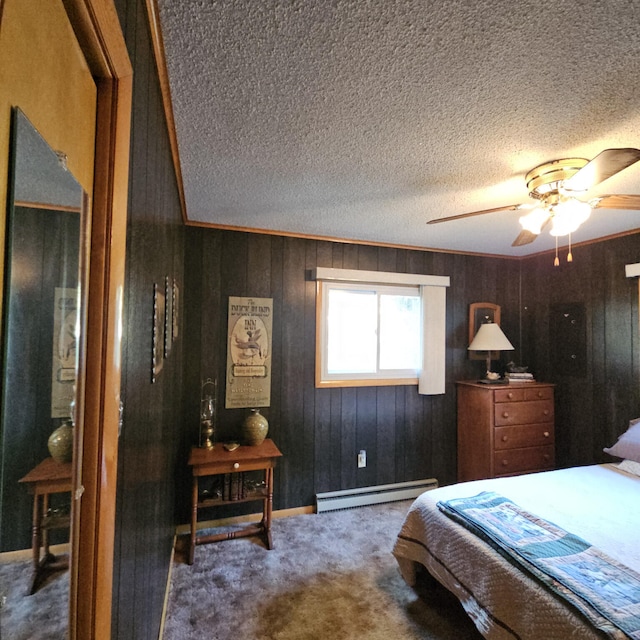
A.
pixel 330 576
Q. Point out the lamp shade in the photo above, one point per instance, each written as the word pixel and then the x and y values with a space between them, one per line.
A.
pixel 490 338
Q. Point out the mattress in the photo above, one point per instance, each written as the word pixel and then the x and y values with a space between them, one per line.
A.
pixel 598 503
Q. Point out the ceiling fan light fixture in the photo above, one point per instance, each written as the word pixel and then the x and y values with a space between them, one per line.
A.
pixel 568 215
pixel 547 178
pixel 534 220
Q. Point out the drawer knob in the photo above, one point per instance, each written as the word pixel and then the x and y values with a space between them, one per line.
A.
pixel 505 414
pixel 510 395
pixel 505 463
pixel 504 438
pixel 539 394
pixel 546 412
pixel 546 457
pixel 236 465
pixel 546 434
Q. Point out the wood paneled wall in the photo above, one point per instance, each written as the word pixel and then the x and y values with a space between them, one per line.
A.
pixel 320 431
pixel 152 417
pixel 408 436
pixel 595 404
pixel 44 255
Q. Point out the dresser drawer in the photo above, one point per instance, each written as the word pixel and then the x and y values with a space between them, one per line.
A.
pixel 509 413
pixel 538 393
pixel 511 461
pixel 510 394
pixel 522 392
pixel 523 435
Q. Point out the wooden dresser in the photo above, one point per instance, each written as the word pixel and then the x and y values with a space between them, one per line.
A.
pixel 504 429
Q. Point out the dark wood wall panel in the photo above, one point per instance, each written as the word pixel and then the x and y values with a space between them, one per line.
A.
pixel 320 431
pixel 151 435
pixel 408 436
pixel 594 408
pixel 43 251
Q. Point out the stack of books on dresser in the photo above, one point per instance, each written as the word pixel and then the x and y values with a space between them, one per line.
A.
pixel 519 377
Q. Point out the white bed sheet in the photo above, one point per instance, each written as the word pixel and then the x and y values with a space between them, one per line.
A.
pixel 599 503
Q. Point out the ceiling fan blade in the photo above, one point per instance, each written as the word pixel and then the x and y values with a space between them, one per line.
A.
pixel 618 201
pixel 460 216
pixel 527 237
pixel 524 237
pixel 603 166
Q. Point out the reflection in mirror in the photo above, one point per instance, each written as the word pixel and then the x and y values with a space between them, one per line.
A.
pixel 40 350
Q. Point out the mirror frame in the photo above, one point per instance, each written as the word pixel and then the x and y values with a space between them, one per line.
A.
pixel 97 28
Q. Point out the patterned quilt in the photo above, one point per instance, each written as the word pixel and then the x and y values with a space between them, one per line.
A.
pixel 568 565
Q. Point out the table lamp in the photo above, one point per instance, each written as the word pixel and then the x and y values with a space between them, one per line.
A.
pixel 490 338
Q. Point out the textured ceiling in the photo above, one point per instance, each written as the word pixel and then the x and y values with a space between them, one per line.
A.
pixel 364 119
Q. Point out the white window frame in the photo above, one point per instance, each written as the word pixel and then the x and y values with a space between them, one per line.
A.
pixel 431 377
pixel 389 376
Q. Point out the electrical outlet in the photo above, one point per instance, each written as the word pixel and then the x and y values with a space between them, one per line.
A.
pixel 362 459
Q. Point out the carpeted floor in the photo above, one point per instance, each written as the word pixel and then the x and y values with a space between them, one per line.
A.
pixel 41 616
pixel 330 576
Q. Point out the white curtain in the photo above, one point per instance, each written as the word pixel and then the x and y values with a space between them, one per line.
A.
pixel 434 312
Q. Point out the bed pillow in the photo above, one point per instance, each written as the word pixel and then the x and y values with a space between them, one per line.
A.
pixel 630 466
pixel 628 445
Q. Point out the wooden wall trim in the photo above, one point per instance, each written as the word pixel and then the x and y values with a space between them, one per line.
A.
pixel 371 243
pixel 350 241
pixel 97 28
pixel 163 75
pixel 96 25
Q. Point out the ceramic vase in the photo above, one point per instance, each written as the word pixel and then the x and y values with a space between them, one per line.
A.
pixel 254 428
pixel 60 443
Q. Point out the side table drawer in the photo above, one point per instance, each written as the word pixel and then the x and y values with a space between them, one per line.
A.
pixel 524 435
pixel 220 468
pixel 523 412
pixel 511 461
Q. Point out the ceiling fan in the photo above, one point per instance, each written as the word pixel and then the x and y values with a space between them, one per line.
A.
pixel 560 188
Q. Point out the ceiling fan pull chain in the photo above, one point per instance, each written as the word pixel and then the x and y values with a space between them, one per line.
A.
pixel 569 256
pixel 556 262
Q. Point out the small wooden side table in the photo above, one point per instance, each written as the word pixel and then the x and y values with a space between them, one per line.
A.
pixel 219 461
pixel 44 479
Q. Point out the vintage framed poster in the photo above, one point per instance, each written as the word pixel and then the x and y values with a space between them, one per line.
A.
pixel 249 333
pixel 63 375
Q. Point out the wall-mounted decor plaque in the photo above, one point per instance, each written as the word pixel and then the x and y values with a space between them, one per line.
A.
pixel 249 335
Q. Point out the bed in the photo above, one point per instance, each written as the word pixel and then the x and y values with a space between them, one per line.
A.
pixel 598 503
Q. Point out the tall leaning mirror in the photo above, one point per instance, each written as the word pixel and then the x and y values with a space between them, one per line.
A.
pixel 42 345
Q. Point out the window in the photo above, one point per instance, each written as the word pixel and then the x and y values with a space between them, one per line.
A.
pixel 370 332
pixel 379 328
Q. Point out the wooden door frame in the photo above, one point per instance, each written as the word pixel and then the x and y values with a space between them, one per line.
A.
pixel 97 28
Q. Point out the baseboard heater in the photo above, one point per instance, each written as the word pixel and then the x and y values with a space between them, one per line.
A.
pixel 333 500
